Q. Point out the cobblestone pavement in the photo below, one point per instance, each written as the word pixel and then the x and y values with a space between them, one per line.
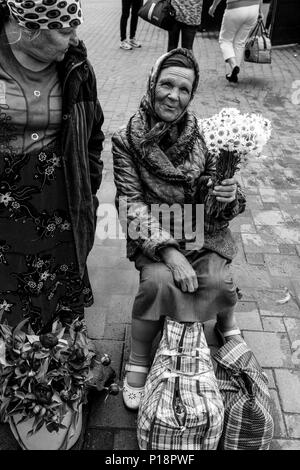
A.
pixel 267 233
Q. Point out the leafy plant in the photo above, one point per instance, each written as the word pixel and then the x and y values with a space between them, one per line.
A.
pixel 42 377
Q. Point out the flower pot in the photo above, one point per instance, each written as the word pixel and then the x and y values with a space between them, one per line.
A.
pixel 64 439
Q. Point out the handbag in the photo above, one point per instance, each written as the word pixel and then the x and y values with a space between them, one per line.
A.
pixel 248 422
pixel 258 45
pixel 159 13
pixel 182 408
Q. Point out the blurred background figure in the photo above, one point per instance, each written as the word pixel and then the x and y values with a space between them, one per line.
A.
pixel 188 19
pixel 239 19
pixel 134 6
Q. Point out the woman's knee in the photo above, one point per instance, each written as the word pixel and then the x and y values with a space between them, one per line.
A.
pixel 155 279
pixel 223 286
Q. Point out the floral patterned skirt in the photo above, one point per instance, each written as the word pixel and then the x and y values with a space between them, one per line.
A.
pixel 39 278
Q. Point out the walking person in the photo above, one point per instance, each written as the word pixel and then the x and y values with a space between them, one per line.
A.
pixel 160 158
pixel 134 6
pixel 188 19
pixel 50 163
pixel 239 19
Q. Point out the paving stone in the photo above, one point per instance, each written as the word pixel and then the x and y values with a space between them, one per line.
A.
pixel 125 440
pixel 293 328
pixel 296 290
pixel 111 414
pixel 255 258
pixel 242 224
pixel 279 423
pixel 271 195
pixel 254 243
pixel 288 382
pixel 95 317
pixel 249 320
pixel 268 217
pixel 271 382
pixel 98 439
pixel 114 331
pixel 268 306
pixel 270 349
pixel 283 265
pixel 120 308
pixel 286 249
pixel 251 276
pixel 7 440
pixel 114 349
pixel 285 444
pixel 275 235
pixel 254 202
pixel 293 425
pixel 273 324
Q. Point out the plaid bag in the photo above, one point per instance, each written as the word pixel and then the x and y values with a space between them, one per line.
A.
pixel 182 407
pixel 248 424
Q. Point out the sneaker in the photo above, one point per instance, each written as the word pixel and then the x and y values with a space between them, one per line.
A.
pixel 125 45
pixel 134 43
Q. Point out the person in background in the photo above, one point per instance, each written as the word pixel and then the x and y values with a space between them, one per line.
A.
pixel 188 19
pixel 160 158
pixel 270 14
pixel 50 163
pixel 134 6
pixel 240 17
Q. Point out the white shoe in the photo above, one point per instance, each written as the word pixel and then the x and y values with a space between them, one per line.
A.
pixel 125 45
pixel 134 43
pixel 132 395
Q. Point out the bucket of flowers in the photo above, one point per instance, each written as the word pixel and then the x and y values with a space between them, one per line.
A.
pixel 44 380
pixel 231 138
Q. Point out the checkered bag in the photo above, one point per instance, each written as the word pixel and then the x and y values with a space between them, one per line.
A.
pixel 248 424
pixel 182 408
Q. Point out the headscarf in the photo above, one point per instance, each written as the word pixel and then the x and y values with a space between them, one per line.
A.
pixel 175 58
pixel 145 141
pixel 46 14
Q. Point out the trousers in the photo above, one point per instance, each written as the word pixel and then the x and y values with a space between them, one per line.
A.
pixel 187 35
pixel 236 26
pixel 134 5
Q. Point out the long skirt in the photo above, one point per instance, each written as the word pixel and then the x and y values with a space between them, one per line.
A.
pixel 158 296
pixel 39 277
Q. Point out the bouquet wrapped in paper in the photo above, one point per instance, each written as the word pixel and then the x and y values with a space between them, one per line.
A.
pixel 231 137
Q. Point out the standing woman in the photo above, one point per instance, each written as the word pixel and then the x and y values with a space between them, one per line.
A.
pixel 50 167
pixel 239 19
pixel 188 18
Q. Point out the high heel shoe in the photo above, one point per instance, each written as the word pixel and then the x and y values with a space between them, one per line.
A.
pixel 233 76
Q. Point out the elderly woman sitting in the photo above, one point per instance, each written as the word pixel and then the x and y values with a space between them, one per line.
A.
pixel 161 158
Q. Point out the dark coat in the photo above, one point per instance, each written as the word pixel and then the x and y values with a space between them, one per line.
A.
pixel 82 143
pixel 152 182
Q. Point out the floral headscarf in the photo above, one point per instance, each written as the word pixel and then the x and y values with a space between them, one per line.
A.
pixel 148 101
pixel 46 14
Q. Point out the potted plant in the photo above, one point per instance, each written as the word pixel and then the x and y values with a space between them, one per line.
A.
pixel 44 381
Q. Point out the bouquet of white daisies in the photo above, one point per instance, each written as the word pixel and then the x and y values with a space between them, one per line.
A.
pixel 231 137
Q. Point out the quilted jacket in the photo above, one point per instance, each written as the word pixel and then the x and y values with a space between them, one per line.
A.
pixel 138 181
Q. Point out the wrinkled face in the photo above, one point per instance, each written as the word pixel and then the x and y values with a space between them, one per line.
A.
pixel 173 92
pixel 51 45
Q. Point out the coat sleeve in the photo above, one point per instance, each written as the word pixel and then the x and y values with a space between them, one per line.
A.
pixel 135 217
pixel 95 142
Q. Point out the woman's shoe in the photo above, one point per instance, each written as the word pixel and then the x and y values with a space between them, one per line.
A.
pixel 233 76
pixel 132 395
pixel 222 335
